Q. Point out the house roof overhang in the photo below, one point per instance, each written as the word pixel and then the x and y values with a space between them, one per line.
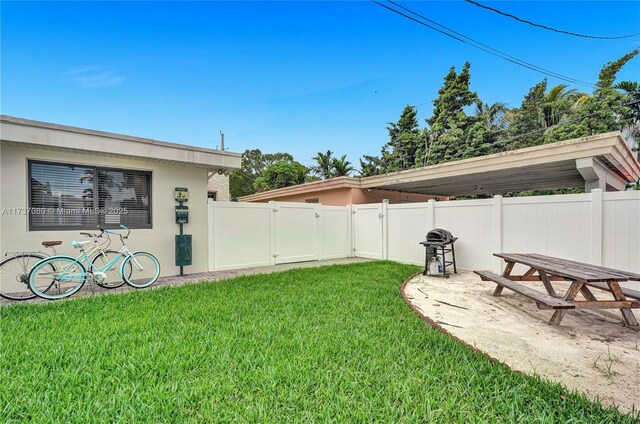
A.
pixel 546 166
pixel 43 135
pixel 306 188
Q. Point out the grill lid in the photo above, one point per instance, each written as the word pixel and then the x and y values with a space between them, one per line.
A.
pixel 439 235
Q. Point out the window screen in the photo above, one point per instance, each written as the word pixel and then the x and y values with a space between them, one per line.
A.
pixel 64 197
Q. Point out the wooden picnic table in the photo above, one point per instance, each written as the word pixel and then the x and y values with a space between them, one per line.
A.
pixel 583 277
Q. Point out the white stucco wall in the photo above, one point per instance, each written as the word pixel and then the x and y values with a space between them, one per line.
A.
pixel 159 240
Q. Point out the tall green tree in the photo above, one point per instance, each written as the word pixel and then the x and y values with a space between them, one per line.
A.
pixel 253 164
pixel 449 124
pixel 341 167
pixel 281 174
pixel 527 125
pixel 632 89
pixel 488 125
pixel 404 141
pixel 602 112
pixel 492 116
pixel 370 165
pixel 557 102
pixel 324 164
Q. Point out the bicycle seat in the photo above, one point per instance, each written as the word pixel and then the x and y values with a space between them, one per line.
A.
pixel 51 243
pixel 79 244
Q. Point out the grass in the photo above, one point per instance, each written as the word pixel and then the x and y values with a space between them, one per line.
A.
pixel 326 344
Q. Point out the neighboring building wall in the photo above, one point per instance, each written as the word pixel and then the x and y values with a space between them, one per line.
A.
pixel 159 240
pixel 335 197
pixel 361 195
pixel 219 183
pixel 356 196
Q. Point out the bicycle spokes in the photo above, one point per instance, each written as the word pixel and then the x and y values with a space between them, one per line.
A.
pixel 14 275
pixel 57 277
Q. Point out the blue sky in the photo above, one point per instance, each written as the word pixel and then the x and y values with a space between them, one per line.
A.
pixel 297 77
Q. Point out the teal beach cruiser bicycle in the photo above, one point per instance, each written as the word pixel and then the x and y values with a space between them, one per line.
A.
pixel 60 276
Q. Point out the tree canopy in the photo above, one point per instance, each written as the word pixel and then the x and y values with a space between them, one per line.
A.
pixel 546 114
pixel 281 174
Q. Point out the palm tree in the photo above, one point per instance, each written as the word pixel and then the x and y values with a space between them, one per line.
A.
pixel 557 102
pixel 632 88
pixel 493 116
pixel 324 165
pixel 341 167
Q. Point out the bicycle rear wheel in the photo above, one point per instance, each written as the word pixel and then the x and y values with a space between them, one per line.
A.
pixel 145 269
pixel 69 275
pixel 14 275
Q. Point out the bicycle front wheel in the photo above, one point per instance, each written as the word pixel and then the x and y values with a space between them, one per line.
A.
pixel 14 275
pixel 113 279
pixel 68 275
pixel 145 269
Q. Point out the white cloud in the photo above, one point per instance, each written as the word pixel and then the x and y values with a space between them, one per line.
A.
pixel 92 76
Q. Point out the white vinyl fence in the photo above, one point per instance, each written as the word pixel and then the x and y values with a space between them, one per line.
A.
pixel 244 235
pixel 599 228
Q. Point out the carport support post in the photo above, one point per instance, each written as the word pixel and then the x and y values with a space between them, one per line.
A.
pixel 496 231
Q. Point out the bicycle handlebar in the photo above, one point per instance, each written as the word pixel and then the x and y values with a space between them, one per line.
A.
pixel 118 234
pixel 95 236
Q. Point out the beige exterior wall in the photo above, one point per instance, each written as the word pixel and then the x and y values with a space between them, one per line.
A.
pixel 220 184
pixel 159 240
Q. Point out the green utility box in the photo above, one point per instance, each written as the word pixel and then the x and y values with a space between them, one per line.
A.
pixel 183 250
pixel 182 214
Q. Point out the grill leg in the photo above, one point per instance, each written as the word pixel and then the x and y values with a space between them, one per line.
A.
pixel 445 274
pixel 426 260
pixel 453 253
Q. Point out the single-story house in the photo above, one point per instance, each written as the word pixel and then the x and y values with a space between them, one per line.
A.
pixel 58 180
pixel 603 161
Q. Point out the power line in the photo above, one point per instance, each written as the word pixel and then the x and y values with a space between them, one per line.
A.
pixel 575 34
pixel 476 44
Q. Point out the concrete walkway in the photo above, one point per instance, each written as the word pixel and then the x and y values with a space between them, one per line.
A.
pixel 176 280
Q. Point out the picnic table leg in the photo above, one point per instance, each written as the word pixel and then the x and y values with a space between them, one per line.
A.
pixel 547 283
pixel 506 273
pixel 571 294
pixel 587 294
pixel 529 273
pixel 627 314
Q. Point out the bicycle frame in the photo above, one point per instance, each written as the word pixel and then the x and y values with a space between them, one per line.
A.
pixel 84 256
pixel 124 252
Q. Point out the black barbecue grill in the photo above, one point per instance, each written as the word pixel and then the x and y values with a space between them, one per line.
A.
pixel 439 242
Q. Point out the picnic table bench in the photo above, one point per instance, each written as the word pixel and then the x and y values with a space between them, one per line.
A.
pixel 582 277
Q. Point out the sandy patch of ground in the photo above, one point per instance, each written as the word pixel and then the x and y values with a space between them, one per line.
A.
pixel 591 351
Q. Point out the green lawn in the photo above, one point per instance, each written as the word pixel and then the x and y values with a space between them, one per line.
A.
pixel 326 344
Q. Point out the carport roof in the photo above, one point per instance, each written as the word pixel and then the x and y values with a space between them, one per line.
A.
pixel 541 167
